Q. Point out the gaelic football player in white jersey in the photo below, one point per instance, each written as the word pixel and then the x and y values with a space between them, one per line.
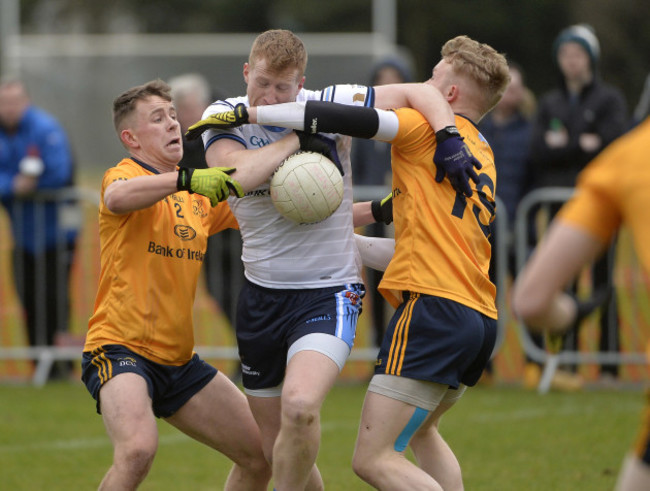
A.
pixel 298 311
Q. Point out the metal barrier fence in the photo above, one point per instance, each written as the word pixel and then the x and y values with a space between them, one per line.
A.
pixel 38 262
pixel 543 199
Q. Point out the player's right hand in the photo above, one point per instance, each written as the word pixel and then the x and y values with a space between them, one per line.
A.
pixel 382 209
pixel 224 120
pixel 317 143
pixel 214 183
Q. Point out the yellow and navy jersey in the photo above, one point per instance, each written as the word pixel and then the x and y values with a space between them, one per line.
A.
pixel 613 189
pixel 442 245
pixel 150 264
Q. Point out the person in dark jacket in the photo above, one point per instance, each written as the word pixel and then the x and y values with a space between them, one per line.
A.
pixel 574 123
pixel 508 127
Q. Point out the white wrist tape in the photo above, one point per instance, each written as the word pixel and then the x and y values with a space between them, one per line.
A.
pixel 287 115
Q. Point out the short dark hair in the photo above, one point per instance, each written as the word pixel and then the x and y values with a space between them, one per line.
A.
pixel 124 104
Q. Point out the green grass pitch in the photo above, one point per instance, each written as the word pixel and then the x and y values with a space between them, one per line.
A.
pixel 505 439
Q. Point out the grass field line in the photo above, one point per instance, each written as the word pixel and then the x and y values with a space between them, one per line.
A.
pixel 82 443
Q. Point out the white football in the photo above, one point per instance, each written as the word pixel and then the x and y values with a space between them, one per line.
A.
pixel 307 187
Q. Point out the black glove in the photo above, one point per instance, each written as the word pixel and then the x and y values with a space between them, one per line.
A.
pixel 318 143
pixel 224 120
pixel 454 159
pixel 382 209
pixel 214 183
pixel 584 308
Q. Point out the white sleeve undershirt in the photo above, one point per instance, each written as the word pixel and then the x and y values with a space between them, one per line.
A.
pixel 376 252
pixel 292 115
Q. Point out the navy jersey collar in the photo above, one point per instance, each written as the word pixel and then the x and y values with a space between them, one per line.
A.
pixel 145 166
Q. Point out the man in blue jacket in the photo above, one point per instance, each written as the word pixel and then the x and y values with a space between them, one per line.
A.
pixel 35 156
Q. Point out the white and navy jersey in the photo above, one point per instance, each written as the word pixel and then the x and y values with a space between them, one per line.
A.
pixel 276 252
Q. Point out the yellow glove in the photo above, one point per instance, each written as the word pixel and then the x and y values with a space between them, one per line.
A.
pixel 214 183
pixel 224 120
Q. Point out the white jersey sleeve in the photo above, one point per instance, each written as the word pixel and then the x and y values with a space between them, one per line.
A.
pixel 351 95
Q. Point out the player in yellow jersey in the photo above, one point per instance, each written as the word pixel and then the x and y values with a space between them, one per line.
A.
pixel 444 330
pixel 138 361
pixel 611 191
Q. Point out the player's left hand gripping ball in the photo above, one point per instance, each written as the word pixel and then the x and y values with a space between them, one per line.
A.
pixel 214 183
pixel 454 159
pixel 224 120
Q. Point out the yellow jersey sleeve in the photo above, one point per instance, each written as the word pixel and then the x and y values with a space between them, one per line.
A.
pixel 150 263
pixel 613 190
pixel 442 245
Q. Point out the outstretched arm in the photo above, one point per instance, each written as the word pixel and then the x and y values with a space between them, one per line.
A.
pixel 328 117
pixel 452 156
pixel 539 299
pixel 424 98
pixel 253 166
pixel 124 196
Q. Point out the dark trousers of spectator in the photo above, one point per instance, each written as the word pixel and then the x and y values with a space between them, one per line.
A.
pixel 42 283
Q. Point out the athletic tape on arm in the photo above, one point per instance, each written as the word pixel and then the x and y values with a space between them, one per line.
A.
pixel 361 122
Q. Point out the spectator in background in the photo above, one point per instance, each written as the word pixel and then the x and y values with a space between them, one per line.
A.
pixel 574 123
pixel 192 94
pixel 35 156
pixel 371 167
pixel 508 127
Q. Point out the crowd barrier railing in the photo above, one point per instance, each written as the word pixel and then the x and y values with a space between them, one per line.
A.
pixel 75 208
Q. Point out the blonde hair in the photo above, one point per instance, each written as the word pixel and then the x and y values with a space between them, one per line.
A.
pixel 281 49
pixel 482 64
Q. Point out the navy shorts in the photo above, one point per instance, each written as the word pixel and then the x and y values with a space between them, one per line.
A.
pixel 170 387
pixel 270 320
pixel 437 340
